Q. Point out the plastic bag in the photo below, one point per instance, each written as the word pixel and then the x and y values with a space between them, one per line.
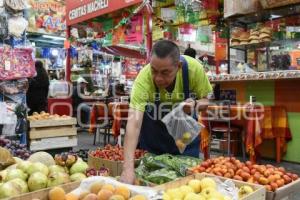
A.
pixel 182 127
pixel 15 5
pixel 149 193
pixel 17 26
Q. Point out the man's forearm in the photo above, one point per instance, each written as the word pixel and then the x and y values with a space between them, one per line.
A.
pixel 131 138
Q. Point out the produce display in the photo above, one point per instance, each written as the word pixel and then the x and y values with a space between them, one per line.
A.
pixel 97 191
pixel 114 153
pixel 16 149
pixel 163 168
pixel 205 189
pixel 28 176
pixel 43 115
pixel 268 175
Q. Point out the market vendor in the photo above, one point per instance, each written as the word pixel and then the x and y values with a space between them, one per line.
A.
pixel 168 79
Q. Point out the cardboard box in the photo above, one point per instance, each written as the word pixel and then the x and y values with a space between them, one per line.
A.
pixel 115 167
pixel 258 194
pixel 43 194
pixel 285 192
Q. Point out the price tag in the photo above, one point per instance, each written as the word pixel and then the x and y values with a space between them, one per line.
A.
pixel 7 65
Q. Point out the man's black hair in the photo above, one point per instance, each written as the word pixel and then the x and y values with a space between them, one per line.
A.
pixel 166 48
pixel 190 52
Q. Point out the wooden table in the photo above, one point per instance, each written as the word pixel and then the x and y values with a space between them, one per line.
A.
pixel 267 122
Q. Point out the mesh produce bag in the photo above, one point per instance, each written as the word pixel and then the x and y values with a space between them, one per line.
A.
pixel 182 127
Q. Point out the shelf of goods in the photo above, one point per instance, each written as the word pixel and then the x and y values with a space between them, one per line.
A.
pixel 274 75
pixel 266 45
pixel 53 132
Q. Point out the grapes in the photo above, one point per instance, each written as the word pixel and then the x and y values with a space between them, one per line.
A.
pixel 16 149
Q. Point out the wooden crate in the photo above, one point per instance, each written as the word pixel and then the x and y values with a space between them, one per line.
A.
pixel 258 194
pixel 49 132
pixel 286 192
pixel 43 194
pixel 53 143
pixel 52 122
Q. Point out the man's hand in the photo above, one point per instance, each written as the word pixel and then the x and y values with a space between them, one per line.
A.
pixel 128 176
pixel 191 105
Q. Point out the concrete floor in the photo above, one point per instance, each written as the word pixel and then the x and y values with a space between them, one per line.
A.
pixel 85 141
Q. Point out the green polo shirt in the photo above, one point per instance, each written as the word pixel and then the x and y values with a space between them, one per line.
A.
pixel 144 90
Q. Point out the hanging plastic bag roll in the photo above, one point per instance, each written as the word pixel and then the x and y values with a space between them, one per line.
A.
pixel 182 127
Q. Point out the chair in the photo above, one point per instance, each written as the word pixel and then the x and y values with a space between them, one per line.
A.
pixel 103 117
pixel 219 122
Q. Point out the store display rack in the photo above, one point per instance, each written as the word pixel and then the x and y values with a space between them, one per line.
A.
pixel 262 16
pixel 274 75
pixel 265 15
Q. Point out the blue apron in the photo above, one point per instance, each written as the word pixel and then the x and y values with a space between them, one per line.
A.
pixel 154 136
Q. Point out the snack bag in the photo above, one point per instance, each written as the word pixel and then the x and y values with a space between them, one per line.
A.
pixel 182 127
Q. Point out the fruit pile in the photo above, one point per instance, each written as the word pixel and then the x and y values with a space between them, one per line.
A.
pixel 30 176
pixel 15 148
pixel 97 191
pixel 114 153
pixel 268 175
pixel 43 115
pixel 204 189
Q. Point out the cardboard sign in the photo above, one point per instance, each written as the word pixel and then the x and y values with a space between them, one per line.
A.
pixel 47 17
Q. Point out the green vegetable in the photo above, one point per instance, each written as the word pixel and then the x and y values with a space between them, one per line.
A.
pixel 162 176
pixel 164 168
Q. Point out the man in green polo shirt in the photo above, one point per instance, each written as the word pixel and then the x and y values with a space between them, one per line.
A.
pixel 167 80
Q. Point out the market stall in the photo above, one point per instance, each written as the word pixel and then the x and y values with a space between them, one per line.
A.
pixel 106 38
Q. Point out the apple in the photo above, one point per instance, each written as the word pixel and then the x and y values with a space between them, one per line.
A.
pixel 208 192
pixel 196 185
pixel 193 196
pixel 207 182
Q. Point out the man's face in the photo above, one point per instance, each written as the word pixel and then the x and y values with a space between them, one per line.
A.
pixel 164 71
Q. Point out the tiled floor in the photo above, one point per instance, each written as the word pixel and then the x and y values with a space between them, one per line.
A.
pixel 85 141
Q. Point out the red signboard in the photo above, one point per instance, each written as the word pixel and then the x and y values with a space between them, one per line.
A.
pixel 83 10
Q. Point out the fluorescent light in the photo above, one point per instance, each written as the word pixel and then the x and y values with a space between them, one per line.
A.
pixel 53 37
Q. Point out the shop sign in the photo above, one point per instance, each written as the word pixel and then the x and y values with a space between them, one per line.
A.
pixel 47 17
pixel 82 10
pixel 134 33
